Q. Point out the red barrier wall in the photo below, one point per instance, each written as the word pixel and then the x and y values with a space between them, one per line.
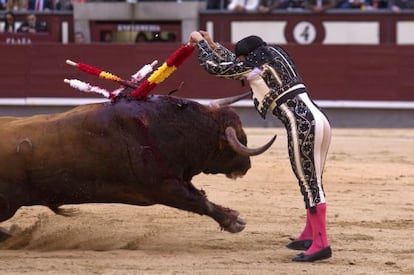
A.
pixel 382 72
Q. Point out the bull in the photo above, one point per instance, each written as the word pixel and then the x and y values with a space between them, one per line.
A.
pixel 137 152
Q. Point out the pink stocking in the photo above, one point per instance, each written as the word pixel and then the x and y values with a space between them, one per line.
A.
pixel 307 231
pixel 317 221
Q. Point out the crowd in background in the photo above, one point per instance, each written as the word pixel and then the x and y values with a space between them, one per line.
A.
pixel 38 5
pixel 32 7
pixel 31 24
pixel 268 6
pixel 262 6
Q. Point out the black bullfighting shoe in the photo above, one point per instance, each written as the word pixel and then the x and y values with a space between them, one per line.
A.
pixel 320 255
pixel 299 245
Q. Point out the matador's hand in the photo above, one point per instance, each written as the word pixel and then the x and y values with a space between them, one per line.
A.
pixel 209 40
pixel 195 37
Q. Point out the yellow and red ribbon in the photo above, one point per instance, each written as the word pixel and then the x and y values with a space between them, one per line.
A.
pixel 101 74
pixel 164 71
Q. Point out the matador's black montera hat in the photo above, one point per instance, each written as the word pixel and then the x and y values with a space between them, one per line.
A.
pixel 248 44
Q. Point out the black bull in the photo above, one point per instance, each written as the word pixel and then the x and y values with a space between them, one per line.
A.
pixel 139 152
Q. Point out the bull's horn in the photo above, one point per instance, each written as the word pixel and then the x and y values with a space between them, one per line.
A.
pixel 228 100
pixel 238 147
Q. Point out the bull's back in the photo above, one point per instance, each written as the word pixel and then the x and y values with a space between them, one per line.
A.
pixel 43 142
pixel 90 143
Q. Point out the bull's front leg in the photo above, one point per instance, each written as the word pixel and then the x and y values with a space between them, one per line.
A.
pixel 184 196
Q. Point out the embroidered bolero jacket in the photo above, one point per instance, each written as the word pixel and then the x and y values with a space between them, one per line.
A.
pixel 270 71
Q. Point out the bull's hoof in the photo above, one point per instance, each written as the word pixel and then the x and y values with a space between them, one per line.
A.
pixel 4 234
pixel 235 226
pixel 233 223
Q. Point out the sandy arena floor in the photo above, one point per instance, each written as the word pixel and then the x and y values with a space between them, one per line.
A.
pixel 369 182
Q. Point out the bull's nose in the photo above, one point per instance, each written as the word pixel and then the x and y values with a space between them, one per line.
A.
pixel 241 170
pixel 245 168
pixel 248 166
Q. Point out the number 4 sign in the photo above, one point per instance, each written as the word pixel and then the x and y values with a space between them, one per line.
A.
pixel 304 32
